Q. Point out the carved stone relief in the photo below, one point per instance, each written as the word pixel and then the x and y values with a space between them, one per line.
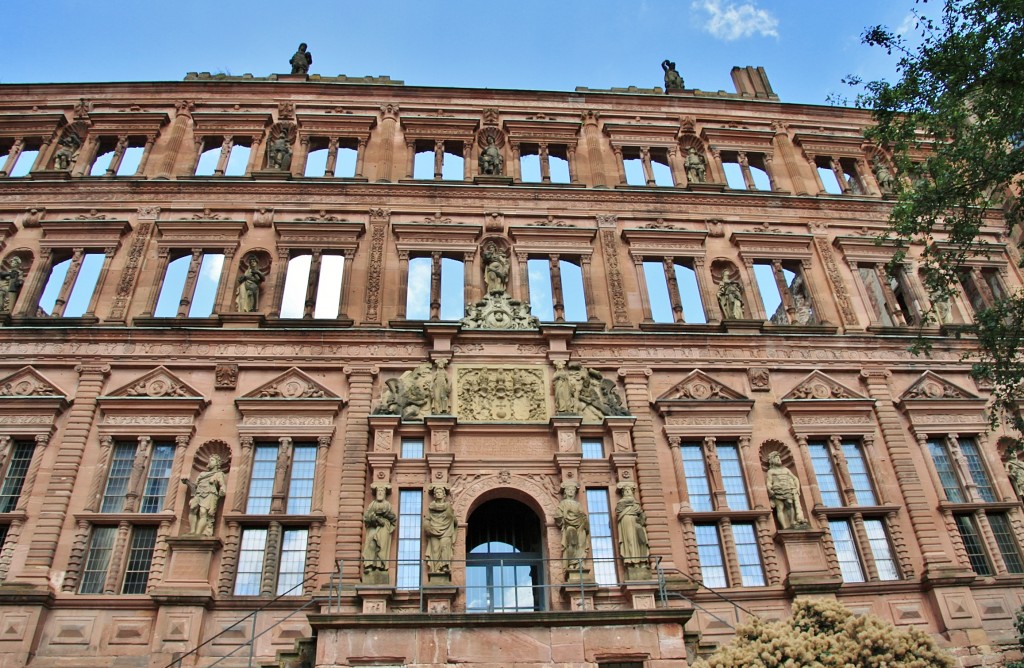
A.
pixel 501 394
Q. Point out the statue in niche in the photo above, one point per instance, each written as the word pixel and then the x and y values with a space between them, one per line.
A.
pixel 247 296
pixel 279 151
pixel 496 268
pixel 11 279
pixel 439 526
pixel 803 314
pixel 730 296
pixel 632 523
pixel 67 151
pixel 301 61
pixel 574 524
pixel 886 181
pixel 784 494
pixel 491 161
pixel 441 389
pixel 942 308
pixel 1015 469
pixel 208 489
pixel 566 392
pixel 410 395
pixel 379 520
pixel 672 79
pixel 696 170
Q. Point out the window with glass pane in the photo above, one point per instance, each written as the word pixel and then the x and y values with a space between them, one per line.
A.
pixel 856 466
pixel 261 483
pixel 300 487
pixel 117 479
pixel 696 475
pixel 95 572
pixel 881 550
pixel 944 467
pixel 160 462
pixel 709 551
pixel 846 551
pixel 976 467
pixel 412 448
pixel 601 541
pixel 250 562
pixel 140 556
pixel 1007 542
pixel 825 472
pixel 593 448
pixel 732 477
pixel 410 532
pixel 748 556
pixel 972 545
pixel 292 570
pixel 17 469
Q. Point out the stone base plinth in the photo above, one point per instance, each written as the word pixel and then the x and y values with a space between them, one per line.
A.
pixel 579 595
pixel 375 599
pixel 272 175
pixel 235 320
pixel 488 180
pixel 439 579
pixel 638 572
pixel 376 578
pixel 439 600
pixel 187 579
pixel 808 568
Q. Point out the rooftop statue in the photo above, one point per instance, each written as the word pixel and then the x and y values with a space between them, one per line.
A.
pixel 672 79
pixel 301 61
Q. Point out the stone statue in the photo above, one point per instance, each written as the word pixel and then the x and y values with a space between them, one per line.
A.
pixel 696 170
pixel 496 267
pixel 730 296
pixel 410 395
pixel 600 393
pixel 784 494
pixel 439 527
pixel 491 161
pixel 69 145
pixel 441 389
pixel 632 522
pixel 885 179
pixel 672 79
pixel 380 521
pixel 566 392
pixel 279 152
pixel 942 308
pixel 11 279
pixel 247 296
pixel 207 491
pixel 1015 469
pixel 575 527
pixel 301 61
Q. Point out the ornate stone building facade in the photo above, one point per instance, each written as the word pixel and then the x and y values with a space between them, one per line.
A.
pixel 473 377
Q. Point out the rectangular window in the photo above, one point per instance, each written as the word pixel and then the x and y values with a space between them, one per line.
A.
pixel 177 298
pixel 17 469
pixel 292 569
pixel 846 551
pixel 709 551
pixel 856 466
pixel 695 472
pixel 944 467
pixel 300 487
pixel 249 578
pixel 412 448
pixel 140 556
pixel 881 550
pixel 435 289
pixel 673 291
pixel 1003 533
pixel 160 463
pixel 118 477
pixel 70 296
pixel 748 556
pixel 972 544
pixel 784 293
pixel 601 540
pixel 825 472
pixel 732 477
pixel 261 483
pixel 593 448
pixel 976 467
pixel 94 574
pixel 312 286
pixel 410 532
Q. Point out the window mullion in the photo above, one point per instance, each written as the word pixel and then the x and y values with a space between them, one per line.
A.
pixel 115 160
pixel 271 560
pixel 641 278
pixel 191 278
pixel 891 305
pixel 784 293
pixel 138 474
pixel 545 165
pixel 435 285
pixel 12 156
pixel 116 563
pixel 668 263
pixel 312 282
pixel 645 159
pixel 280 492
pixel 677 466
pixel 842 471
pixel 867 557
pixel 961 469
pixel 6 445
pixel 225 153
pixel 557 298
pixel 346 269
pixel 714 472
pixel 78 254
pixel 995 555
pixel 438 159
pixel 732 564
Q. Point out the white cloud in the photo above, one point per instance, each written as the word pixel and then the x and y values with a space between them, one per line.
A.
pixel 908 24
pixel 728 21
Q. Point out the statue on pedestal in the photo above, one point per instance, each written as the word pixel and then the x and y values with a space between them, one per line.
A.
pixel 208 489
pixel 696 170
pixel 67 151
pixel 491 162
pixel 439 526
pixel 279 151
pixel 12 277
pixel 566 393
pixel 441 389
pixel 886 181
pixel 632 522
pixel 575 527
pixel 301 60
pixel 784 494
pixel 730 296
pixel 247 295
pixel 380 521
pixel 496 268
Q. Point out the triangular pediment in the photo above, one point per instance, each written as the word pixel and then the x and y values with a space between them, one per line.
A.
pixel 292 384
pixel 157 384
pixel 699 386
pixel 819 386
pixel 931 386
pixel 27 382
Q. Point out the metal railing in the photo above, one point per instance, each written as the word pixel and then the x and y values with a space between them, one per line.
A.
pixel 663 590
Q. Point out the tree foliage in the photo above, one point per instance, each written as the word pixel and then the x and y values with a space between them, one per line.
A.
pixel 954 125
pixel 824 634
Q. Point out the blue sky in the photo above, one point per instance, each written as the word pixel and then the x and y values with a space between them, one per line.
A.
pixel 805 46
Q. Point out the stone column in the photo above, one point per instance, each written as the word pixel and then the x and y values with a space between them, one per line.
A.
pixel 352 488
pixel 177 135
pixel 388 130
pixel 595 156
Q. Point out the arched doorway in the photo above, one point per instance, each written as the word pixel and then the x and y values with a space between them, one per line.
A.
pixel 504 567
